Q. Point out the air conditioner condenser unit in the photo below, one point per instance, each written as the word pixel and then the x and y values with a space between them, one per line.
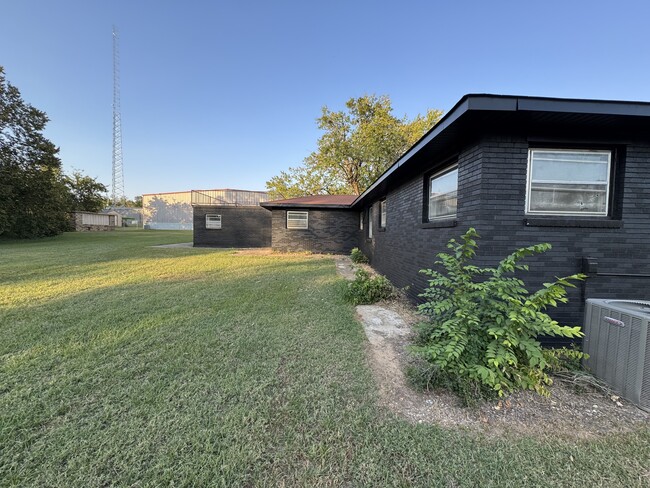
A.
pixel 618 344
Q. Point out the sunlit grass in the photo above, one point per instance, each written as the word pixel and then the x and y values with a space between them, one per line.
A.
pixel 123 364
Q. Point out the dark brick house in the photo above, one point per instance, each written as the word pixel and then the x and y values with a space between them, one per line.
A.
pixel 521 170
pixel 319 223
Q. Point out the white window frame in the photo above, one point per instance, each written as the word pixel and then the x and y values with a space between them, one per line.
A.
pixel 529 181
pixel 443 172
pixel 370 222
pixel 360 220
pixel 297 223
pixel 211 222
pixel 382 214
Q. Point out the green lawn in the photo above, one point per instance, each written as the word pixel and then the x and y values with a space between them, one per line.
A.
pixel 122 364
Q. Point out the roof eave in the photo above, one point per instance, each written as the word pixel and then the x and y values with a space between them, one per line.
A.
pixel 508 103
pixel 271 206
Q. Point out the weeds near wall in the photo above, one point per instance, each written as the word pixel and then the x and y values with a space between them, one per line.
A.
pixel 358 257
pixel 481 337
pixel 367 289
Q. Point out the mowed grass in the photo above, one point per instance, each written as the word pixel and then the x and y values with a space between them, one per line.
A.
pixel 127 365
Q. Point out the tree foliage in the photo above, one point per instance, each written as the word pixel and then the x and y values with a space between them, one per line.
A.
pixel 33 195
pixel 86 193
pixel 357 146
pixel 484 323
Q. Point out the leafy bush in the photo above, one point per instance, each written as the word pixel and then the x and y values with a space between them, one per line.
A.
pixel 482 335
pixel 366 289
pixel 357 256
pixel 564 359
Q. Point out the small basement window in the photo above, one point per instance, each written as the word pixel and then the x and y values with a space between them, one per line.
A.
pixel 213 221
pixel 568 182
pixel 443 191
pixel 297 220
pixel 382 214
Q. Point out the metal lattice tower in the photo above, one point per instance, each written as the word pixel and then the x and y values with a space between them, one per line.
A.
pixel 117 189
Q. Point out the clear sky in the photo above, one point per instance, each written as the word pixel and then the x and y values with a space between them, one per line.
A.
pixel 225 94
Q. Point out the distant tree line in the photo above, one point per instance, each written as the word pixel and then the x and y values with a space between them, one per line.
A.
pixel 35 195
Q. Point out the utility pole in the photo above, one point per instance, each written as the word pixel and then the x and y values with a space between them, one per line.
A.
pixel 117 189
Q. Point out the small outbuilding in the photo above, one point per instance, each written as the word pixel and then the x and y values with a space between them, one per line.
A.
pixel 318 223
pixel 90 221
pixel 230 218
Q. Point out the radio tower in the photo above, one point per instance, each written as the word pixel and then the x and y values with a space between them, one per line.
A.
pixel 118 170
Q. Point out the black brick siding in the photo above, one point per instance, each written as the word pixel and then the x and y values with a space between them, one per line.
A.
pixel 240 227
pixel 491 198
pixel 330 231
pixel 405 247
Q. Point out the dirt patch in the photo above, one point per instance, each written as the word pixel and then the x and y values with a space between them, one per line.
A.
pixel 254 251
pixel 572 414
pixel 173 246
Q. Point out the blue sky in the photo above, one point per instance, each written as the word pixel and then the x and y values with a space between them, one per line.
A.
pixel 225 94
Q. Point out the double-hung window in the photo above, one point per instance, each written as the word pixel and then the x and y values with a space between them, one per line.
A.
pixel 443 191
pixel 568 182
pixel 213 221
pixel 297 220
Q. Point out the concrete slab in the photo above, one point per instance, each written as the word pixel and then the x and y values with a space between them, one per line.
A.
pixel 380 323
pixel 344 267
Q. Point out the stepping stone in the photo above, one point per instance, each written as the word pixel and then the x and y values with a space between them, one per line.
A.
pixel 380 323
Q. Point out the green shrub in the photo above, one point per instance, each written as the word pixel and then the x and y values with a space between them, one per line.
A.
pixel 357 256
pixel 483 326
pixel 564 359
pixel 366 289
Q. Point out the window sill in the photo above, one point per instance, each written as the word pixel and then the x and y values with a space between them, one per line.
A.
pixel 573 222
pixel 381 229
pixel 438 224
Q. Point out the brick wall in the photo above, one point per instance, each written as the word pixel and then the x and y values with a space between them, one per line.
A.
pixel 240 227
pixel 330 231
pixel 407 244
pixel 491 196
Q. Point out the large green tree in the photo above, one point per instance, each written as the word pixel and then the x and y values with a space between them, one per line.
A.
pixel 33 195
pixel 86 193
pixel 357 146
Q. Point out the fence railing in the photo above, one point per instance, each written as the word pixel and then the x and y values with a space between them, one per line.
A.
pixel 229 197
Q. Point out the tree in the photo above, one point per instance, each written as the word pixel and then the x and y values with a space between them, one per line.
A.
pixel 357 147
pixel 86 193
pixel 33 196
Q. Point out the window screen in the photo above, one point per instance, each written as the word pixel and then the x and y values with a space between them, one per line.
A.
pixel 213 221
pixel 569 182
pixel 443 190
pixel 297 220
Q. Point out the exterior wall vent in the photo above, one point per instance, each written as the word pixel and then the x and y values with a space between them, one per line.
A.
pixel 618 344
